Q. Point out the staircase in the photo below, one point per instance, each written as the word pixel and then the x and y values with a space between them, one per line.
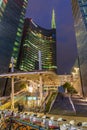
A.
pixel 62 105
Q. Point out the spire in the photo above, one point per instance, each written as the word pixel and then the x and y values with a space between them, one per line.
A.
pixel 53 23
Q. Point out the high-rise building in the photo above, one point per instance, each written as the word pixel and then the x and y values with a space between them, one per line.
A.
pixel 12 14
pixel 79 8
pixel 53 22
pixel 38 48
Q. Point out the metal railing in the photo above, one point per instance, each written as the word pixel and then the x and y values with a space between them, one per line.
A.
pixel 24 124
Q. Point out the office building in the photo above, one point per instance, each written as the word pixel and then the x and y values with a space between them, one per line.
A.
pixel 38 48
pixel 79 9
pixel 12 14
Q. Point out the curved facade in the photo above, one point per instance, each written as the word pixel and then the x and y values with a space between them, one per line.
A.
pixel 79 8
pixel 38 48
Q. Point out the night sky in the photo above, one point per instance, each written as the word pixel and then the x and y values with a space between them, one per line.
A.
pixel 41 13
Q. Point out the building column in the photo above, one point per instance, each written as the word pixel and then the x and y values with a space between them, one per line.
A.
pixel 40 60
pixel 12 94
pixel 41 89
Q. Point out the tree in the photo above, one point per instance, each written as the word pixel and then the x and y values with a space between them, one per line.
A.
pixel 70 88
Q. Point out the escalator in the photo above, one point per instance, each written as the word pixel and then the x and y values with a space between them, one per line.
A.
pixel 45 107
pixel 62 105
pixel 17 99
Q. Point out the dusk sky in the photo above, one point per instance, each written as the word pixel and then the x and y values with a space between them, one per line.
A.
pixel 41 13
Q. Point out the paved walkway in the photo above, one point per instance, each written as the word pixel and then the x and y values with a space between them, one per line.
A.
pixel 68 118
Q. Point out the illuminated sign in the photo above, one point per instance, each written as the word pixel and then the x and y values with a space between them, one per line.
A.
pixel 32 98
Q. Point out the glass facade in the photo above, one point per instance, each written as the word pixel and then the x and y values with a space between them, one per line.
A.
pixel 79 8
pixel 11 24
pixel 83 8
pixel 12 13
pixel 37 39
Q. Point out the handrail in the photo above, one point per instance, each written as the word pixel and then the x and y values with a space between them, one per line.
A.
pixel 28 124
pixel 53 101
pixel 45 98
pixel 49 103
pixel 8 104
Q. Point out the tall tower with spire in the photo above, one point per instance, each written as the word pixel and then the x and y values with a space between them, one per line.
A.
pixel 53 23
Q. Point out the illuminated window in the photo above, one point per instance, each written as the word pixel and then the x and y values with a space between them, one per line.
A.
pixel 18 34
pixel 16 43
pixel 21 20
pixel 15 49
pixel 20 30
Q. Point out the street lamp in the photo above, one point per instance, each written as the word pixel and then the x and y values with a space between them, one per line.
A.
pixel 76 69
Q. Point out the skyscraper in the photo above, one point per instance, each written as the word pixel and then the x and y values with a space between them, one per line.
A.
pixel 53 22
pixel 12 14
pixel 79 8
pixel 38 48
